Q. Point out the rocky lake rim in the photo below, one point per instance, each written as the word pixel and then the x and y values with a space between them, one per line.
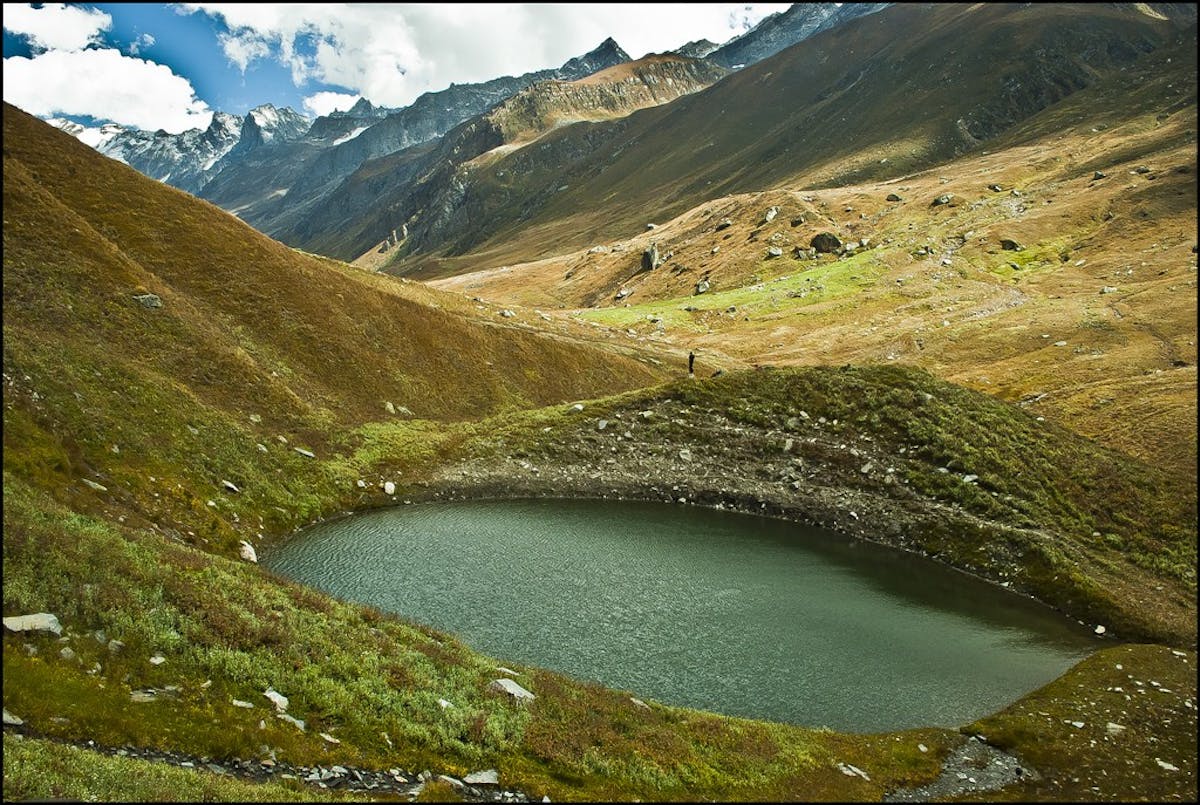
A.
pixel 712 500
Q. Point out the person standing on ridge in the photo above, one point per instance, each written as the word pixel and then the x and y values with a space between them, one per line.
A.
pixel 691 364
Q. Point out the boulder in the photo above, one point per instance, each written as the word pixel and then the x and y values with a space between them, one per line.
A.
pixel 230 486
pixel 511 688
pixel 702 286
pixel 893 197
pixel 770 215
pixel 945 198
pixel 1141 169
pixel 40 622
pixel 295 722
pixel 1010 245
pixel 1099 175
pixel 488 777
pixel 12 721
pixel 995 188
pixel 247 552
pixel 148 299
pixel 774 251
pixel 389 488
pixel 826 243
pixel 508 314
pixel 624 292
pixel 725 224
pixel 305 453
pixel 650 258
pixel 797 221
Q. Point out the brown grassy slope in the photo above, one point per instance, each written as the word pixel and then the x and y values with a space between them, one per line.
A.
pixel 914 85
pixel 1127 373
pixel 248 323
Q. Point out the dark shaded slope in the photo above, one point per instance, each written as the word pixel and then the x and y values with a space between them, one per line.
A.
pixel 385 194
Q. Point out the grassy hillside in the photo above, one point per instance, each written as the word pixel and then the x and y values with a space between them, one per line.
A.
pixel 1091 323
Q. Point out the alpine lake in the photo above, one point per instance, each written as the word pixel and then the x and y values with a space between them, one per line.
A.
pixel 732 613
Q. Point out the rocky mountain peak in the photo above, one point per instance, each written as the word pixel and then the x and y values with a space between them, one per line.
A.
pixel 606 54
pixel 697 49
pixel 786 28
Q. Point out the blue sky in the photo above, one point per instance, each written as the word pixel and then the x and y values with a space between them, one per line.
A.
pixel 170 66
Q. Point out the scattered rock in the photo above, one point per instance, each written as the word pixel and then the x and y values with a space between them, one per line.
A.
pixel 278 699
pixel 797 221
pixel 651 226
pixel 685 455
pixel 1165 765
pixel 115 646
pixel 1114 729
pixel 514 690
pixel 39 622
pixel 488 777
pixel 1141 169
pixel 826 243
pixel 702 287
pixel 577 407
pixel 624 292
pixel 94 485
pixel 230 486
pixel 508 671
pixel 1099 175
pixel 148 300
pixel 389 488
pixel 1099 629
pixel 143 696
pixel 67 653
pixel 995 188
pixel 725 224
pixel 602 424
pixel 329 738
pixel 444 704
pixel 1010 245
pixel 770 215
pixel 853 771
pixel 12 721
pixel 157 659
pixel 242 704
pixel 893 197
pixel 639 703
pixel 247 552
pixel 389 407
pixel 774 251
pixel 295 722
pixel 1108 289
pixel 506 313
pixel 303 452
pixel 945 198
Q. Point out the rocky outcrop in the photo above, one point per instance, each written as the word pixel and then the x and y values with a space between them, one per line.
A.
pixel 786 28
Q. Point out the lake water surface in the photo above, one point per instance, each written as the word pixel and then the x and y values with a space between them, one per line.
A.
pixel 733 613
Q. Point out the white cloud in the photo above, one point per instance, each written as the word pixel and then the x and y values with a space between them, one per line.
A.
pixel 141 43
pixel 392 53
pixel 322 103
pixel 56 26
pixel 106 85
pixel 243 48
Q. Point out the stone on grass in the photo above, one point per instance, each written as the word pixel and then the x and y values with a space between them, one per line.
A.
pixel 143 696
pixel 389 488
pixel 826 242
pixel 12 721
pixel 148 299
pixel 329 738
pixel 295 722
pixel 94 485
pixel 945 198
pixel 242 704
pixel 487 777
pixel 247 552
pixel 303 452
pixel 39 622
pixel 157 659
pixel 230 486
pixel 278 699
pixel 514 690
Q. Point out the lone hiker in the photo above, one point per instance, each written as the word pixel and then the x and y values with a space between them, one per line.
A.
pixel 691 364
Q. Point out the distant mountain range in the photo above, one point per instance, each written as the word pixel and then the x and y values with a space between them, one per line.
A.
pixel 250 164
